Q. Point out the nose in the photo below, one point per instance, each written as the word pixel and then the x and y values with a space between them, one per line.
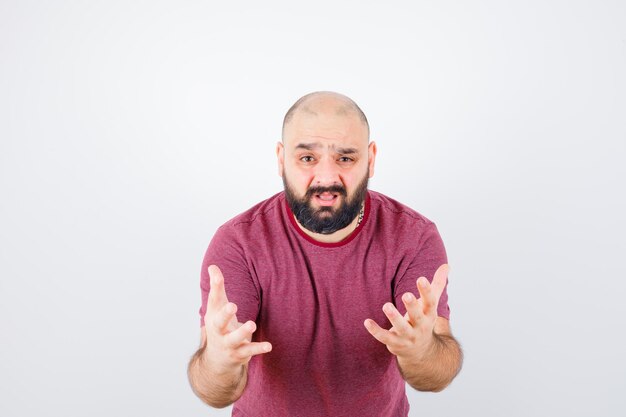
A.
pixel 326 173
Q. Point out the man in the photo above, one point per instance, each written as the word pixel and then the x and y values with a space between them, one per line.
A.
pixel 297 291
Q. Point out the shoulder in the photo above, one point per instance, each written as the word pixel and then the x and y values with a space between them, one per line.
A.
pixel 388 208
pixel 261 211
pixel 247 231
pixel 263 215
pixel 399 225
pixel 407 233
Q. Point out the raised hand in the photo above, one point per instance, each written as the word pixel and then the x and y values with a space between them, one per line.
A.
pixel 228 342
pixel 411 336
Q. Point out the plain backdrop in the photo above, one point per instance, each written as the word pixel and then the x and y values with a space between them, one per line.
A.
pixel 130 130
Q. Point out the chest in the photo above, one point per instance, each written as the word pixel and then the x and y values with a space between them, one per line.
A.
pixel 312 300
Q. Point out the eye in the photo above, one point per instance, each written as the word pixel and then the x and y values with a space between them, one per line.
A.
pixel 306 158
pixel 345 159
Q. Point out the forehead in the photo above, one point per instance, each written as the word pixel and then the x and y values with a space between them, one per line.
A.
pixel 326 130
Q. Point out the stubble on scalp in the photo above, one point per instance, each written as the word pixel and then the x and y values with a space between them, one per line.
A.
pixel 345 106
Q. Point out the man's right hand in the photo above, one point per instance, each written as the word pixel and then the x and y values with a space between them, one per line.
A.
pixel 228 342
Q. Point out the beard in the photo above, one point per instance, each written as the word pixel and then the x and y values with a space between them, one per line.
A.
pixel 326 220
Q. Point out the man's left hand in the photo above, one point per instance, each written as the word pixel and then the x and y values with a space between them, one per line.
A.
pixel 411 336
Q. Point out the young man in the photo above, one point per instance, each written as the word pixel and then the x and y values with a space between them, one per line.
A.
pixel 297 292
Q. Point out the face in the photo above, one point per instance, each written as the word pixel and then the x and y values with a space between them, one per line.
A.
pixel 325 162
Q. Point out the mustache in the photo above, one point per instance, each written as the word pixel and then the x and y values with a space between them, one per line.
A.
pixel 336 189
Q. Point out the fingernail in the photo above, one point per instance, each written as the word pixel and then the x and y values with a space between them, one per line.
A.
pixel 408 297
pixel 267 347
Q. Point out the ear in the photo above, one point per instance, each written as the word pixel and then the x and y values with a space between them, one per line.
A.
pixel 371 157
pixel 280 155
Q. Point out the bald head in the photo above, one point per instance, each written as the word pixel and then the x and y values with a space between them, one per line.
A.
pixel 324 103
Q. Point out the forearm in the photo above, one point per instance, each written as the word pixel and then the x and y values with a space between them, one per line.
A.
pixel 217 389
pixel 437 369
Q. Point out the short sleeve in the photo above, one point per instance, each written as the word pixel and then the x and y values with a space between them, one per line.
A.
pixel 430 255
pixel 228 254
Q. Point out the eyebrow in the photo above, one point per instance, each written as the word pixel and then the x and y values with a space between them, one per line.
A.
pixel 311 146
pixel 308 146
pixel 347 151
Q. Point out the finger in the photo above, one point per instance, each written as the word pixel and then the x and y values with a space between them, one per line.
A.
pixel 440 280
pixel 413 311
pixel 223 319
pixel 427 300
pixel 241 335
pixel 217 292
pixel 380 334
pixel 397 320
pixel 250 349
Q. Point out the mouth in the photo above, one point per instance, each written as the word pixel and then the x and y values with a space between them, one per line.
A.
pixel 326 198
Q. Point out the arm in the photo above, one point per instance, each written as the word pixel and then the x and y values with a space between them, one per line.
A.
pixel 215 389
pixel 439 366
pixel 428 355
pixel 218 370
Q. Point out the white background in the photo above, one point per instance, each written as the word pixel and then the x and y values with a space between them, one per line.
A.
pixel 129 131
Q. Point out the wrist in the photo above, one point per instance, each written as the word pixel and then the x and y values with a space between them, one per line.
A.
pixel 218 368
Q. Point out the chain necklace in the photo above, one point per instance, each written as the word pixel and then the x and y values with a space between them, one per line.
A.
pixel 361 213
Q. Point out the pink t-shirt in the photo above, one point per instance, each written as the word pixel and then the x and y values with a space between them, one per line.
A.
pixel 309 299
